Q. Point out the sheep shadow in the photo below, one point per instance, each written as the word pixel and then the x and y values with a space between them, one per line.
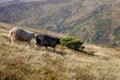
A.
pixel 86 52
pixel 57 52
pixel 61 53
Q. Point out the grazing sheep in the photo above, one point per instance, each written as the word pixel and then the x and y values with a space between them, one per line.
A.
pixel 20 34
pixel 46 40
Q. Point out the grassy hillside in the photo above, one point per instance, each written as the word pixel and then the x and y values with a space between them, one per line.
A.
pixel 54 1
pixel 20 61
pixel 95 21
pixel 101 26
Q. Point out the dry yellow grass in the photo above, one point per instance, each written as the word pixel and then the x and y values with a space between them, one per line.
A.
pixel 21 61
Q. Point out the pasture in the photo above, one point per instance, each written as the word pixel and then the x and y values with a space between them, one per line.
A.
pixel 21 61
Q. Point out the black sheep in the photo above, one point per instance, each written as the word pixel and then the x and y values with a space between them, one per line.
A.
pixel 46 40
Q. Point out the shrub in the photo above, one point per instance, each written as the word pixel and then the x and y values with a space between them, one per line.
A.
pixel 71 42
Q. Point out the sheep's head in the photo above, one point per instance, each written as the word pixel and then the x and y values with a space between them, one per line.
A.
pixel 10 33
pixel 33 35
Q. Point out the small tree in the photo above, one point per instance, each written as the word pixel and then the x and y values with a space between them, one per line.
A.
pixel 71 42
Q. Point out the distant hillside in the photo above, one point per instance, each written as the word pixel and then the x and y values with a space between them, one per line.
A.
pixel 94 21
pixel 1 1
pixel 54 1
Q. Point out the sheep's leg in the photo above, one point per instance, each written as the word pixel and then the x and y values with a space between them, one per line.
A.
pixel 54 49
pixel 12 41
pixel 46 47
pixel 28 42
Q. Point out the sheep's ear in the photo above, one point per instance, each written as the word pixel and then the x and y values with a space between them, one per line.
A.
pixel 38 37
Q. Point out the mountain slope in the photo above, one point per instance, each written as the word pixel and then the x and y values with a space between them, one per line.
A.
pixel 21 61
pixel 94 21
pixel 1 1
pixel 54 1
pixel 101 26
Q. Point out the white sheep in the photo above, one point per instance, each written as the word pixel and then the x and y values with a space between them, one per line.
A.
pixel 20 34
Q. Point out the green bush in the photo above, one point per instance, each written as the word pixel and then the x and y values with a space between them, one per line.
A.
pixel 71 42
